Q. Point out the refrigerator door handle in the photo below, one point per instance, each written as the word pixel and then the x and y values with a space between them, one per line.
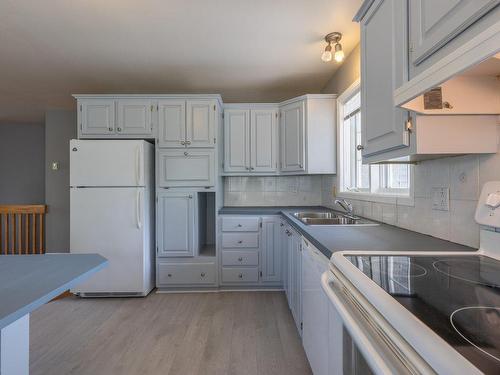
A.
pixel 138 209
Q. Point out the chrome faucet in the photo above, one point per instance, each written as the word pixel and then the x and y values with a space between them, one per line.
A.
pixel 346 205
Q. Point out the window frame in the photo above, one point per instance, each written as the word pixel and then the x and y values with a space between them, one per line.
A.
pixel 379 195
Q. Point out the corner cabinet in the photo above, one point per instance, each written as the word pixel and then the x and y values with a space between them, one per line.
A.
pixel 308 135
pixel 383 69
pixel 176 223
pixel 251 140
pixel 271 250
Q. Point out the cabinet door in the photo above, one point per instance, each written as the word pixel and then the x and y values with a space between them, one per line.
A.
pixel 263 141
pixel 289 265
pixel 383 69
pixel 284 255
pixel 135 117
pixel 171 123
pixel 271 250
pixel 97 116
pixel 297 280
pixel 236 140
pixel 435 23
pixel 186 168
pixel 176 224
pixel 292 137
pixel 200 124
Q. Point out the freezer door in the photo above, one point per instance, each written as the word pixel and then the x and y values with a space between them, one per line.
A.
pixel 110 222
pixel 107 163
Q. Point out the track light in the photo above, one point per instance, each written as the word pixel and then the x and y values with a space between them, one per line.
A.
pixel 338 55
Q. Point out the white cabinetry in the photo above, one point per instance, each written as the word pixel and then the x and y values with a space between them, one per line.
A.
pixel 251 250
pixel 383 69
pixel 186 168
pixel 308 135
pixel 176 224
pixel 251 140
pixel 315 308
pixel 294 279
pixel 186 123
pixel 115 117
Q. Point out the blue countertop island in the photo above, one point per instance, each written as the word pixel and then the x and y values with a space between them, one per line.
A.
pixel 26 283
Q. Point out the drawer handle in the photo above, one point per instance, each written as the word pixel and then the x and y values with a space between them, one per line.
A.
pixel 169 275
pixel 240 241
pixel 240 276
pixel 240 259
pixel 239 225
pixel 202 274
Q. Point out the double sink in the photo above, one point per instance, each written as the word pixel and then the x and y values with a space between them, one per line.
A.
pixel 331 218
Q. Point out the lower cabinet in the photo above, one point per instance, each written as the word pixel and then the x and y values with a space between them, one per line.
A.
pixel 170 274
pixel 176 224
pixel 251 251
pixel 293 286
pixel 314 309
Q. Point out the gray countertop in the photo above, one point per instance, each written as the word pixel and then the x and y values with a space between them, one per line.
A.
pixel 29 281
pixel 329 239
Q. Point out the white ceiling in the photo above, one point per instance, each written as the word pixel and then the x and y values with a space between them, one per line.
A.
pixel 246 50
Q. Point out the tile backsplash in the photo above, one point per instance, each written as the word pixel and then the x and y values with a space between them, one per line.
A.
pixel 273 191
pixel 464 176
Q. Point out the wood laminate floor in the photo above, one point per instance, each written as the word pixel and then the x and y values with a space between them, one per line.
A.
pixel 250 333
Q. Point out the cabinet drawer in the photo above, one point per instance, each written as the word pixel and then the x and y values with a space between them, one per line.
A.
pixel 240 275
pixel 240 224
pixel 186 273
pixel 240 258
pixel 189 168
pixel 231 240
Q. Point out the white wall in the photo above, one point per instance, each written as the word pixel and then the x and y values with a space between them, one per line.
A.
pixel 273 191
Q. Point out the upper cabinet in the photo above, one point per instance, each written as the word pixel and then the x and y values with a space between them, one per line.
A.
pixel 115 117
pixel 308 135
pixel 434 25
pixel 96 116
pixel 388 55
pixel 251 140
pixel 186 123
pixel 383 69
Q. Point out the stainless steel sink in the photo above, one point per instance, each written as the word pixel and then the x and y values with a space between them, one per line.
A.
pixel 331 218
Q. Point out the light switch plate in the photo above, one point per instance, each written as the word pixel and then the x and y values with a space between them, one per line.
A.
pixel 440 198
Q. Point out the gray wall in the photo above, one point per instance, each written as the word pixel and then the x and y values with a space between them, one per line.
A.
pixel 21 164
pixel 60 127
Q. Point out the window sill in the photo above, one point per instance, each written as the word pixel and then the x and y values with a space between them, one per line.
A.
pixel 402 200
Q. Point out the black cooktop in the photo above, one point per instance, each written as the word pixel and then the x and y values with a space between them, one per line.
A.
pixel 458 297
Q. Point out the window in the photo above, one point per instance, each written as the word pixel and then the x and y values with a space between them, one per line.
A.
pixel 356 177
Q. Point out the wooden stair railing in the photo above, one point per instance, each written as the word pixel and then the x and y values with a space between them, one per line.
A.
pixel 21 229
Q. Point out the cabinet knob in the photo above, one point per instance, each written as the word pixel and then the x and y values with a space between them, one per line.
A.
pixel 202 274
pixel 188 142
pixel 185 153
pixel 240 259
pixel 240 241
pixel 183 143
pixel 252 168
pixel 119 129
pixel 110 129
pixel 169 275
pixel 300 166
pixel 190 196
pixel 360 147
pixel 239 225
pixel 240 276
pixel 281 224
pixel 75 149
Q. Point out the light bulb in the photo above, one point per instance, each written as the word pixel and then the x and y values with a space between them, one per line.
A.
pixel 339 54
pixel 327 55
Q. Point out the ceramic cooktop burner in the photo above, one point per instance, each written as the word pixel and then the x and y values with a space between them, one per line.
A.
pixel 477 270
pixel 479 326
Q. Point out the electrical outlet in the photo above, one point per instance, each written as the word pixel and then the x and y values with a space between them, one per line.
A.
pixel 440 198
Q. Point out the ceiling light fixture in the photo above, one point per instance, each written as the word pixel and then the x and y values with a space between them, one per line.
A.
pixel 338 55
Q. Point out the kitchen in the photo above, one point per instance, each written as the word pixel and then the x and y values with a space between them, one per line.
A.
pixel 336 212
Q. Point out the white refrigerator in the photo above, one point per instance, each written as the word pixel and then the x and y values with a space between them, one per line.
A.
pixel 112 213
